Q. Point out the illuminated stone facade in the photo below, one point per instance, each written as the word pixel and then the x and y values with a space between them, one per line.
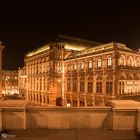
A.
pixel 74 72
pixel 10 82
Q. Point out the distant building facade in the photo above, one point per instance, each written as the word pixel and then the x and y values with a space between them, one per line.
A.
pixel 74 72
pixel 10 82
pixel 22 82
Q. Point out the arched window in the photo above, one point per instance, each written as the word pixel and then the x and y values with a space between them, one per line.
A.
pixel 90 64
pixel 136 62
pixel 122 79
pixel 109 61
pixel 75 66
pixel 82 65
pixel 99 84
pixel 130 61
pixel 68 67
pixel 99 63
pixel 121 60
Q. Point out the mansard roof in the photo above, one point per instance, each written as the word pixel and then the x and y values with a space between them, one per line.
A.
pixel 101 48
pixel 76 42
pixel 80 47
pixel 70 43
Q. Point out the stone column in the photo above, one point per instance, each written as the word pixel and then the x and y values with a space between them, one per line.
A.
pixel 86 83
pixel 30 92
pixel 32 96
pixel 35 100
pixel 1 48
pixel 114 89
pixel 125 87
pixel 71 93
pixel 85 94
pixel 85 101
pixel 103 89
pixel 78 92
pixel 65 100
pixel 71 100
pixel 42 92
pixel 94 87
pixel 78 100
pixel 39 97
pixel 27 96
pixel 93 100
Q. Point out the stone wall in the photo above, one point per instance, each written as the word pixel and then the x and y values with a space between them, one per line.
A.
pixel 124 118
pixel 117 115
pixel 68 118
pixel 12 118
pixel 138 121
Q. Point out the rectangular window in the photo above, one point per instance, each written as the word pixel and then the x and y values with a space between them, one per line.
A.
pixel 90 87
pixel 109 61
pixel 90 64
pixel 81 86
pixel 108 87
pixel 99 63
pixel 129 87
pixel 99 87
pixel 74 85
pixel 75 66
pixel 82 65
pixel 121 87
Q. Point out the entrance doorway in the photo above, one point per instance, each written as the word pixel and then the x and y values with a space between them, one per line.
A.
pixel 59 101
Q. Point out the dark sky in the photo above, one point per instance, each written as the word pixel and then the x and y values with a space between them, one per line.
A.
pixel 26 26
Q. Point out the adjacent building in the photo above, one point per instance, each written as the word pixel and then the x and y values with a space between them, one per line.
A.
pixel 10 82
pixel 70 71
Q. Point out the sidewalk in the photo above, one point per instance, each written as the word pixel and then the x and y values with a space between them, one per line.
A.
pixel 73 134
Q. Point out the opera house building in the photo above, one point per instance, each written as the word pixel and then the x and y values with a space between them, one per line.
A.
pixel 71 72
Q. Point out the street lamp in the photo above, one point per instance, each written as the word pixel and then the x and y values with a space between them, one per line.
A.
pixel 68 104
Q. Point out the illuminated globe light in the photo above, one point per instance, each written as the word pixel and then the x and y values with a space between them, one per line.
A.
pixel 68 104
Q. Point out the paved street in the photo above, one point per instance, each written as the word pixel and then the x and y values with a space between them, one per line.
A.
pixel 72 134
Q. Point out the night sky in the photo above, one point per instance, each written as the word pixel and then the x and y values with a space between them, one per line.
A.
pixel 26 26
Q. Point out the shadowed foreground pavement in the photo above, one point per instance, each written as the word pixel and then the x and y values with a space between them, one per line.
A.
pixel 73 134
